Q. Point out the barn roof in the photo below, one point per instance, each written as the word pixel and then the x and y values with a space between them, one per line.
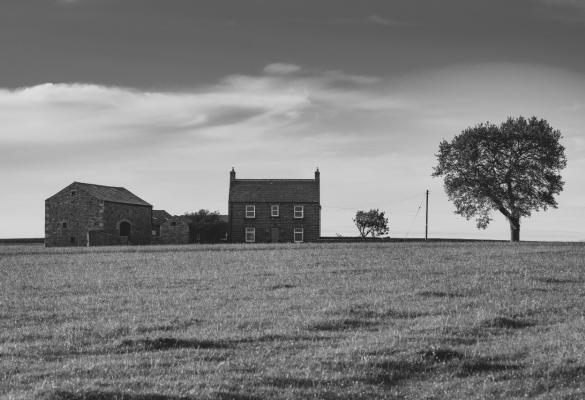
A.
pixel 160 216
pixel 111 193
pixel 274 190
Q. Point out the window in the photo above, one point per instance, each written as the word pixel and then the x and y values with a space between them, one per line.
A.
pixel 274 210
pixel 250 235
pixel 64 225
pixel 298 235
pixel 299 212
pixel 73 193
pixel 250 211
pixel 72 240
pixel 173 223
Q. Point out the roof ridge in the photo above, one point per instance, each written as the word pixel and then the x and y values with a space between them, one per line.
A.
pixel 96 184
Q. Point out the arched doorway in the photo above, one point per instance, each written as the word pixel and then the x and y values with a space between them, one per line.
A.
pixel 125 228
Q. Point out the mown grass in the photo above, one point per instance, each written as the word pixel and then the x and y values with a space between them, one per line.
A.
pixel 330 321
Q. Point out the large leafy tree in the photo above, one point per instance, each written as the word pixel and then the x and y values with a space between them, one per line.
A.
pixel 513 168
pixel 371 222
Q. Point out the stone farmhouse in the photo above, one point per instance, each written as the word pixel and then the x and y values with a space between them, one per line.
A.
pixel 274 210
pixel 84 214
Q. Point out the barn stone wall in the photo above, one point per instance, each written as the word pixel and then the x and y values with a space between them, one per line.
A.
pixel 174 231
pixel 139 217
pixel 69 216
pixel 285 222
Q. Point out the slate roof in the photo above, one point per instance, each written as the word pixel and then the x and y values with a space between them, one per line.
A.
pixel 274 190
pixel 160 216
pixel 111 193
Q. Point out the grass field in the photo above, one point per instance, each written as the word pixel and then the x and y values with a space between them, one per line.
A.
pixel 328 321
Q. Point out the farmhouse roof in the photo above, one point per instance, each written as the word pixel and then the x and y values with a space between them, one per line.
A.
pixel 111 193
pixel 274 190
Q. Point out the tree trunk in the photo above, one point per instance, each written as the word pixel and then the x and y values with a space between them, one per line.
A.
pixel 514 229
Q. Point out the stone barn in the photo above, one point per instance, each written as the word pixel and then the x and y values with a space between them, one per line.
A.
pixel 84 214
pixel 274 210
pixel 169 229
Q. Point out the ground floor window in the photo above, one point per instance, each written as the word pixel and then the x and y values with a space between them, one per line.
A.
pixel 298 235
pixel 250 235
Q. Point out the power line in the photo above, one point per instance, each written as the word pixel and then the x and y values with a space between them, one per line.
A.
pixel 414 219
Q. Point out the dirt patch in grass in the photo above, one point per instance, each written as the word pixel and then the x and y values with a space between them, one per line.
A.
pixel 282 286
pixel 558 280
pixel 235 396
pixel 484 365
pixel 392 372
pixel 440 354
pixel 365 311
pixel 285 382
pixel 284 338
pixel 340 324
pixel 97 395
pixel 167 327
pixel 167 343
pixel 438 293
pixel 506 323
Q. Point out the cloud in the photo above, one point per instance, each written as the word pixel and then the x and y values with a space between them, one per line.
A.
pixel 281 68
pixel 381 20
pixel 372 19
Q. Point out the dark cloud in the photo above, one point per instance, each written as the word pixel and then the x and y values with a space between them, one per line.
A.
pixel 181 43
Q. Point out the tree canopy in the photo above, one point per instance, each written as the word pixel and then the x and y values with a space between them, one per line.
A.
pixel 513 168
pixel 206 226
pixel 371 222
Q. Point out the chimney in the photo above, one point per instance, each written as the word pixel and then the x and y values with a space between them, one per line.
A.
pixel 232 175
pixel 317 174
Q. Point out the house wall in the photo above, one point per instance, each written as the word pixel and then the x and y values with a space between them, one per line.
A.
pixel 263 222
pixel 81 213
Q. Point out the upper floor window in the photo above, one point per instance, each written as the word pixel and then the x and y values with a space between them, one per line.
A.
pixel 250 235
pixel 299 212
pixel 298 235
pixel 173 223
pixel 73 193
pixel 250 211
pixel 274 210
pixel 64 225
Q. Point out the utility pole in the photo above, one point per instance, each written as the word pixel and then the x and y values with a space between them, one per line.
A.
pixel 427 217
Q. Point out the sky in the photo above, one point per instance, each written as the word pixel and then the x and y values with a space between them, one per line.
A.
pixel 165 97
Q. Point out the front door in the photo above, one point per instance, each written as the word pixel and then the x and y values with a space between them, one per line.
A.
pixel 274 235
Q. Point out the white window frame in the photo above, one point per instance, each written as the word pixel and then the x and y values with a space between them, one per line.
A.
pixel 275 210
pixel 300 231
pixel 299 209
pixel 250 231
pixel 250 211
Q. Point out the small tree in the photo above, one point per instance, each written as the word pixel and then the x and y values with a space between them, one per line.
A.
pixel 205 226
pixel 513 168
pixel 372 221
